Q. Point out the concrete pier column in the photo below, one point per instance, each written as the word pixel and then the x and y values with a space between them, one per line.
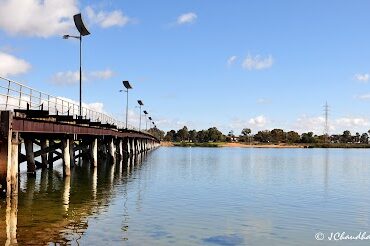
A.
pixel 44 156
pixel 112 150
pixel 66 157
pixel 30 157
pixel 94 152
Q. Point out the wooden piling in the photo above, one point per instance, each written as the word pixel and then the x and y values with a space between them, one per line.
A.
pixel 51 154
pixel 112 151
pixel 66 157
pixel 44 156
pixel 14 166
pixel 71 150
pixel 94 152
pixel 30 155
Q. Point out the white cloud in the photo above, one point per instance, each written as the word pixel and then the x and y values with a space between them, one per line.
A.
pixel 336 126
pixel 73 77
pixel 104 74
pixel 352 122
pixel 11 65
pixel 363 97
pixel 257 62
pixel 310 124
pixel 263 101
pixel 259 121
pixel 37 18
pixel 107 19
pixel 67 78
pixel 231 60
pixel 362 77
pixel 187 18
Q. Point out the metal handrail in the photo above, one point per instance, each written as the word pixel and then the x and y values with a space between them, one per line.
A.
pixel 14 95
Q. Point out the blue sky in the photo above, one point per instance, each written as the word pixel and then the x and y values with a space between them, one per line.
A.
pixel 230 64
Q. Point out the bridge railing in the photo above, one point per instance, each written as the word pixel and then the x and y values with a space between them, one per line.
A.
pixel 14 95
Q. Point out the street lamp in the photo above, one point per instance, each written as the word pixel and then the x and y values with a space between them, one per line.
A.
pixel 140 104
pixel 127 85
pixel 83 32
pixel 146 122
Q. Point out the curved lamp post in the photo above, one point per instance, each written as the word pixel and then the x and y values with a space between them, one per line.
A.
pixel 140 104
pixel 146 122
pixel 128 86
pixel 83 32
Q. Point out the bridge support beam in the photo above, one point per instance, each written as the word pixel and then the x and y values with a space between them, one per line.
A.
pixel 66 157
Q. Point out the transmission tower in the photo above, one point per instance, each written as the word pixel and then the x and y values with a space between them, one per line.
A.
pixel 326 114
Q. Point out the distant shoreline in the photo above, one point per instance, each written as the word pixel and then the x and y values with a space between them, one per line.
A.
pixel 265 145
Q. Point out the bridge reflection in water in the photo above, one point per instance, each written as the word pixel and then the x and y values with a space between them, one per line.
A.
pixel 52 208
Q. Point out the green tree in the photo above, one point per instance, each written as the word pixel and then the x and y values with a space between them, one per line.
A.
pixel 214 134
pixel 170 136
pixel 183 134
pixel 346 137
pixel 308 137
pixel 364 138
pixel 193 136
pixel 202 136
pixel 277 135
pixel 263 136
pixel 292 137
pixel 156 133
pixel 244 137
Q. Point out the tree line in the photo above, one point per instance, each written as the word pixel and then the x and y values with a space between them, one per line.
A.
pixel 266 136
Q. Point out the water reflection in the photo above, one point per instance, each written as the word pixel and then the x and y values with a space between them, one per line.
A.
pixel 53 208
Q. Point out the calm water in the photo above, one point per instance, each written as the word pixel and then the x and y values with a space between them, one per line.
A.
pixel 197 196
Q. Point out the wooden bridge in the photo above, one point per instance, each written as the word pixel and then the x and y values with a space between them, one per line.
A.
pixel 41 129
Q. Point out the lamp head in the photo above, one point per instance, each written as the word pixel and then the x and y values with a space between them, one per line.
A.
pixel 126 84
pixel 80 25
pixel 65 36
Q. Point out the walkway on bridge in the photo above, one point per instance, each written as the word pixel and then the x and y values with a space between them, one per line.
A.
pixel 32 118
